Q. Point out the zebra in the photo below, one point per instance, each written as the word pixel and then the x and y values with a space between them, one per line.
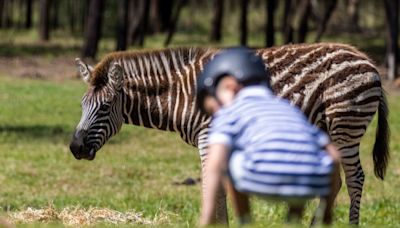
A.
pixel 335 85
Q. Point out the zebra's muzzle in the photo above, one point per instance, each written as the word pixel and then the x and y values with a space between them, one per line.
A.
pixel 82 152
pixel 79 149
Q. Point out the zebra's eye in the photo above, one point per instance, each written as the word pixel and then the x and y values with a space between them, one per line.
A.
pixel 104 107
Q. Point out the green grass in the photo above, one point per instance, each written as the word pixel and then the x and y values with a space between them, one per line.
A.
pixel 136 169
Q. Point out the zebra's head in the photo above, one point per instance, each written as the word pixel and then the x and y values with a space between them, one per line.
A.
pixel 101 108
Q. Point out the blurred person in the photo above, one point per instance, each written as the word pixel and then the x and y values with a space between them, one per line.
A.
pixel 258 144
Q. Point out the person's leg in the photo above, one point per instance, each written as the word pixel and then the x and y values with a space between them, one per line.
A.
pixel 240 202
pixel 330 199
pixel 295 212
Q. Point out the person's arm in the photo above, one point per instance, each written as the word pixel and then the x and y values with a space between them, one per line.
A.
pixel 333 152
pixel 240 202
pixel 215 165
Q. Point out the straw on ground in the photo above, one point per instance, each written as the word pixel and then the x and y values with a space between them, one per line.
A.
pixel 72 216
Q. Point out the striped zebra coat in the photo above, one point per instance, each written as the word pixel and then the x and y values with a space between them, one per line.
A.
pixel 335 85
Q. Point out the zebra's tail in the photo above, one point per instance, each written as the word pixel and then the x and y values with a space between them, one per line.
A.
pixel 381 147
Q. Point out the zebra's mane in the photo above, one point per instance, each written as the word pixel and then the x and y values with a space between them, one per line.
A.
pixel 100 78
pixel 99 74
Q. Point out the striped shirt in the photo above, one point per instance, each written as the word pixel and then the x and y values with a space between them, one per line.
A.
pixel 282 154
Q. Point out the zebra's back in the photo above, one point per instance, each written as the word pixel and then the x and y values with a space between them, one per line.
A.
pixel 324 80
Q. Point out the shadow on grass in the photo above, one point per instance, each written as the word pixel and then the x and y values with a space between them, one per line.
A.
pixel 52 133
pixel 26 132
pixel 15 50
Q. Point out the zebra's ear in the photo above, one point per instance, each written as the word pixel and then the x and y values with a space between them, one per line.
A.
pixel 115 75
pixel 84 70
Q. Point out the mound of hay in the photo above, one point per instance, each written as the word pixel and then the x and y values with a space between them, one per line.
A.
pixel 78 216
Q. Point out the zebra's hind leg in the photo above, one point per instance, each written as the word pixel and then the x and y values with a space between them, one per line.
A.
pixel 348 143
pixel 354 180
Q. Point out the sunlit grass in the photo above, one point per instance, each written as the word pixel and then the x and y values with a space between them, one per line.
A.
pixel 137 168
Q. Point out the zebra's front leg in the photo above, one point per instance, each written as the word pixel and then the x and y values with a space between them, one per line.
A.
pixel 221 214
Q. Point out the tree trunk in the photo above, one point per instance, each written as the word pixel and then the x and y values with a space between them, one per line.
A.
pixel 84 12
pixel 287 28
pixel 303 23
pixel 93 29
pixel 330 7
pixel 165 11
pixel 392 17
pixel 269 28
pixel 160 15
pixel 155 22
pixel 134 21
pixel 139 17
pixel 28 14
pixel 174 22
pixel 243 21
pixel 122 26
pixel 44 20
pixel 8 14
pixel 71 15
pixel 20 13
pixel 54 12
pixel 144 22
pixel 216 34
pixel 1 12
pixel 353 8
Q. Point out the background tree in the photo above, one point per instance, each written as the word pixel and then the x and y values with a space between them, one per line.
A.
pixel 44 30
pixel 353 8
pixel 18 13
pixel 160 15
pixel 7 20
pixel 72 14
pixel 174 21
pixel 287 28
pixel 243 21
pixel 84 12
pixel 330 6
pixel 392 17
pixel 271 6
pixel 93 29
pixel 28 14
pixel 122 24
pixel 216 24
pixel 144 22
pixel 138 18
pixel 304 13
pixel 54 14
pixel 2 2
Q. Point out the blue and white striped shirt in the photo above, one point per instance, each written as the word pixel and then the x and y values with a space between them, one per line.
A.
pixel 282 153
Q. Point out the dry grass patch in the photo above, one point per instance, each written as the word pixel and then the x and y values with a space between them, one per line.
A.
pixel 76 216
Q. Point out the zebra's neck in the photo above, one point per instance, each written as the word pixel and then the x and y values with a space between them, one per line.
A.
pixel 159 89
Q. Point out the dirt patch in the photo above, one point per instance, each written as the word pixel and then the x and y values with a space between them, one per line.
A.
pixel 38 68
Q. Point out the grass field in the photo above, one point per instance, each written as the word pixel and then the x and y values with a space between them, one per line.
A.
pixel 137 169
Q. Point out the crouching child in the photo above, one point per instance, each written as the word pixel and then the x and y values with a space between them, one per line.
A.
pixel 259 144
